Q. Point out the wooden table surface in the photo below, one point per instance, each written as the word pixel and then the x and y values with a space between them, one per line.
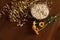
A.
pixel 9 31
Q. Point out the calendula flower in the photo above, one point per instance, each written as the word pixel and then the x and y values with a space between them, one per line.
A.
pixel 35 29
pixel 34 22
pixel 41 24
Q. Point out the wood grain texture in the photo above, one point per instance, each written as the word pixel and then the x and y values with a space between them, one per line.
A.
pixel 9 31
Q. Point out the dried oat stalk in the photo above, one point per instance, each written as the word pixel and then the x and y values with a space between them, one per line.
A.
pixel 18 11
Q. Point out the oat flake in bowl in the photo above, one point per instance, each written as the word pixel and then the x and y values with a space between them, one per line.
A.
pixel 40 11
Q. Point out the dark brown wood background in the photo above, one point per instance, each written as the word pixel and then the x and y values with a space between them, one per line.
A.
pixel 9 31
